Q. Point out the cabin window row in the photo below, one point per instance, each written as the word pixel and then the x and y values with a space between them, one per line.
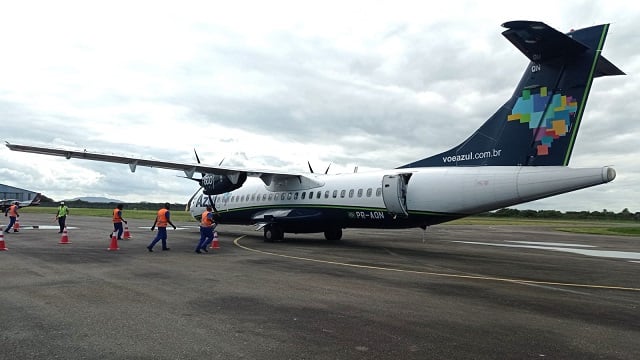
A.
pixel 302 195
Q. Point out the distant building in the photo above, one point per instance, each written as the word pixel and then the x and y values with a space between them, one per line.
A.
pixel 10 192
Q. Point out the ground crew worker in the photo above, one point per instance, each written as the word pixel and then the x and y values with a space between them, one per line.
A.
pixel 12 211
pixel 118 220
pixel 162 219
pixel 213 228
pixel 61 216
pixel 207 224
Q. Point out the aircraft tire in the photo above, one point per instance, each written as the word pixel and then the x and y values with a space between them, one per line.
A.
pixel 333 234
pixel 268 234
pixel 273 233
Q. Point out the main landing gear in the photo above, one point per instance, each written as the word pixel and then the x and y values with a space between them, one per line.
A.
pixel 273 233
pixel 334 234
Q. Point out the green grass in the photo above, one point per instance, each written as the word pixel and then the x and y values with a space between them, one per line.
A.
pixel 176 214
pixel 521 222
pixel 629 231
pixel 596 227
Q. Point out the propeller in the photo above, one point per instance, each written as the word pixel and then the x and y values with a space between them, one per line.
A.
pixel 200 182
pixel 311 169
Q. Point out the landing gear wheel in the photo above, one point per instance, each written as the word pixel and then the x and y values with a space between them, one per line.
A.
pixel 273 233
pixel 333 234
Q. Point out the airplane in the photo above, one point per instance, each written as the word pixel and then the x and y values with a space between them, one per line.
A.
pixel 6 203
pixel 520 154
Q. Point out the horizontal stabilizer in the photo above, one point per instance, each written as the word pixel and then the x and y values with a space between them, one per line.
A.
pixel 540 42
pixel 606 68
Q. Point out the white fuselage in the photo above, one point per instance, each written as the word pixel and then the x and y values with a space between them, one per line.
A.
pixel 423 196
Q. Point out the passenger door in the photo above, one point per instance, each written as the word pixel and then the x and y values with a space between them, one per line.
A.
pixel 394 194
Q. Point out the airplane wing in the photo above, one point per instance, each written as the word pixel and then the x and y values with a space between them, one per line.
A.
pixel 269 177
pixel 6 203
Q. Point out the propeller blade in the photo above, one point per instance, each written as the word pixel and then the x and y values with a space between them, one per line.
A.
pixel 310 169
pixel 188 207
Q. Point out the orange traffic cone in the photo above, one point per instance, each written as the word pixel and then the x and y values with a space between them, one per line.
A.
pixel 16 226
pixel 127 234
pixel 64 239
pixel 215 244
pixel 3 246
pixel 114 242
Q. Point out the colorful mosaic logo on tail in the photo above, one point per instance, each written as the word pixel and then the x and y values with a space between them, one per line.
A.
pixel 548 125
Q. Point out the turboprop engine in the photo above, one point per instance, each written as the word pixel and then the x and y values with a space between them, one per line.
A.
pixel 219 184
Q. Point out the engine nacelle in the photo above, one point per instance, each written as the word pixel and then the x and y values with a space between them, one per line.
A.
pixel 220 184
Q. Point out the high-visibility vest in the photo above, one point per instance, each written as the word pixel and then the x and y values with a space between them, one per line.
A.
pixel 62 211
pixel 205 221
pixel 162 218
pixel 13 210
pixel 116 215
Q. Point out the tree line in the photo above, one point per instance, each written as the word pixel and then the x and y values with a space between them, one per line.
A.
pixel 605 214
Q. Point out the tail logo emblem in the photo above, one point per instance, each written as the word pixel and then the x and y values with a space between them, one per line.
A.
pixel 547 125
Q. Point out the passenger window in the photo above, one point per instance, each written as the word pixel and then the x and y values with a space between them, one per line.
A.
pixel 288 196
pixel 326 194
pixel 303 195
pixel 335 194
pixel 283 196
pixel 378 192
pixel 359 192
pixel 270 196
pixel 318 194
pixel 242 198
pixel 295 196
pixel 310 194
pixel 343 193
pixel 264 197
pixel 369 192
pixel 351 193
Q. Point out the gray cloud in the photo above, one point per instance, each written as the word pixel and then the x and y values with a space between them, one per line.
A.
pixel 376 89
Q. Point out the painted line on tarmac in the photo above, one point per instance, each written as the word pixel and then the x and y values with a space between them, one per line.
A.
pixel 42 227
pixel 429 273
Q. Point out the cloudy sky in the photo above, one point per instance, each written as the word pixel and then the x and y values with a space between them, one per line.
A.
pixel 276 84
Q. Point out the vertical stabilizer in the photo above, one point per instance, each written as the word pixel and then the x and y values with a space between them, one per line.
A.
pixel 538 125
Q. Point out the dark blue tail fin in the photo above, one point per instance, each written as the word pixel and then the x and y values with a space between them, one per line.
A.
pixel 539 124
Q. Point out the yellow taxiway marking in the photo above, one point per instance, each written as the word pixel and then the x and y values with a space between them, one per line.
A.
pixel 459 276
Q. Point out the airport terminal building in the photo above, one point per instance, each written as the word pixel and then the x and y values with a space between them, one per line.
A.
pixel 14 193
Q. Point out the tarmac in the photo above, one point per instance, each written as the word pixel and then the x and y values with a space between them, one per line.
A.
pixel 452 292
